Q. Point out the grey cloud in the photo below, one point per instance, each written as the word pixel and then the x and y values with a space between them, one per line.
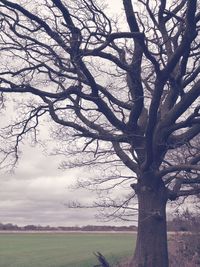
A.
pixel 37 192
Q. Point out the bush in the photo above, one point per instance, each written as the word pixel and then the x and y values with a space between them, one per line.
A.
pixel 184 222
pixel 184 250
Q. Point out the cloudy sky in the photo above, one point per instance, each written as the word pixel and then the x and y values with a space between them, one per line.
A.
pixel 37 191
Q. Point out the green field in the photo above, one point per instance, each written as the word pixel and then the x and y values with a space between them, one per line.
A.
pixel 63 250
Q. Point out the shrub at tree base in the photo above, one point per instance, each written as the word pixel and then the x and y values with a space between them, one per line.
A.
pixel 184 250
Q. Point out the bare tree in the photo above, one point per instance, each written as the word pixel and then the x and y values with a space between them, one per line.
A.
pixel 127 91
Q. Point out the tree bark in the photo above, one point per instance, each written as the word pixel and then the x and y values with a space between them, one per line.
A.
pixel 151 247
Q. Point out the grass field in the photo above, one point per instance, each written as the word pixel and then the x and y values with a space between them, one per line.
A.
pixel 63 250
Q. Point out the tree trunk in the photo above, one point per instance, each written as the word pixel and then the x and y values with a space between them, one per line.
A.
pixel 151 247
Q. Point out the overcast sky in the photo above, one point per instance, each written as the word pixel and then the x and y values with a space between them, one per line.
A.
pixel 37 191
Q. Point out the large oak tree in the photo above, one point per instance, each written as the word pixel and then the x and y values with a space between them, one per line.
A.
pixel 125 87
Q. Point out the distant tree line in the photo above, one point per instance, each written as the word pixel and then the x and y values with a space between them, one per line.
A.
pixel 186 222
pixel 14 227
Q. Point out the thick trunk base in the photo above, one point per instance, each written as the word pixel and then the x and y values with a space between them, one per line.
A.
pixel 151 247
